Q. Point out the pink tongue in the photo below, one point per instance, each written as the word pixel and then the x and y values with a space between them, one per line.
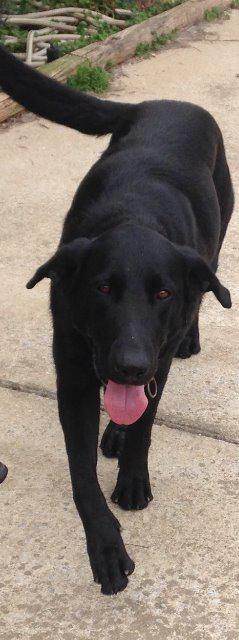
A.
pixel 124 403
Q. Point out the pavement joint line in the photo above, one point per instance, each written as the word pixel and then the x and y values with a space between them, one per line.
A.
pixel 43 392
pixel 198 431
pixel 27 388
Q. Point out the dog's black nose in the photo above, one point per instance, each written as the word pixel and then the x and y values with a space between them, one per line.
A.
pixel 131 368
pixel 131 371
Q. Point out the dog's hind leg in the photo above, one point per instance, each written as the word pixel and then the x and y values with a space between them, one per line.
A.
pixel 133 489
pixel 112 441
pixel 224 189
pixel 190 344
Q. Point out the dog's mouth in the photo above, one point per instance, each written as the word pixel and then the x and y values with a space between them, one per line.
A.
pixel 126 403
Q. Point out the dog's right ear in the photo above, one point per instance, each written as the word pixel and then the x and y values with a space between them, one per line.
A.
pixel 64 264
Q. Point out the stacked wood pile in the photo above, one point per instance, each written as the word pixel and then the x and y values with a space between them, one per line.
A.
pixel 57 25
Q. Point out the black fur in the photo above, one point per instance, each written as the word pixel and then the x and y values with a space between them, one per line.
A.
pixel 150 215
pixel 3 472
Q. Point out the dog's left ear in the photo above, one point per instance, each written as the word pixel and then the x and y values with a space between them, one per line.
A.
pixel 202 277
pixel 63 264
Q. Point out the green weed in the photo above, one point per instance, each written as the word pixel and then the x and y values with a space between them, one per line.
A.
pixel 213 14
pixel 144 49
pixel 21 34
pixel 155 9
pixel 89 78
pixel 103 32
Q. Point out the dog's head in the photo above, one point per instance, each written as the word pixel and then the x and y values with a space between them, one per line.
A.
pixel 131 292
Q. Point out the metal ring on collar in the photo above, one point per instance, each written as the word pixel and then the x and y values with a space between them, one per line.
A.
pixel 153 393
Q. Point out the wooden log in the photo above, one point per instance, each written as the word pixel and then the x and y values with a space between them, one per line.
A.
pixel 94 17
pixel 100 16
pixel 125 13
pixel 21 56
pixel 37 64
pixel 44 22
pixel 38 55
pixel 29 46
pixel 9 39
pixel 57 36
pixel 64 11
pixel 65 14
pixel 36 61
pixel 46 13
pixel 42 44
pixel 120 46
pixel 65 19
pixel 41 32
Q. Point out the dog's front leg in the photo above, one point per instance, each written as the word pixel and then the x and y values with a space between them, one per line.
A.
pixel 133 489
pixel 79 405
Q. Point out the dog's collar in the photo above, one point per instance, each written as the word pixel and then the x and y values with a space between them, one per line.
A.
pixel 152 383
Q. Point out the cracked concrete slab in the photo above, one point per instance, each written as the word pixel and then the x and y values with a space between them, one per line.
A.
pixel 185 544
pixel 42 166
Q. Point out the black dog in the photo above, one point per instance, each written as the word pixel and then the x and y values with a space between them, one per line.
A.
pixel 139 249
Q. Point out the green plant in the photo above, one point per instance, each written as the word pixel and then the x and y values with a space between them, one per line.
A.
pixel 24 6
pixel 89 78
pixel 144 49
pixel 213 14
pixel 156 8
pixel 109 65
pixel 8 6
pixel 235 4
pixel 21 34
pixel 103 31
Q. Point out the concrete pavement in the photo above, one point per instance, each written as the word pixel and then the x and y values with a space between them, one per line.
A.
pixel 186 543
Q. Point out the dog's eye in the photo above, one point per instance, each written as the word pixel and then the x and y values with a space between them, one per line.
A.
pixel 163 294
pixel 104 288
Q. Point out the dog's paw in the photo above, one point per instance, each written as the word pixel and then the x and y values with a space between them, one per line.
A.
pixel 188 347
pixel 112 441
pixel 132 491
pixel 110 562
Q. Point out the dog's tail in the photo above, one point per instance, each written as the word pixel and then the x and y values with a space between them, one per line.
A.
pixel 57 102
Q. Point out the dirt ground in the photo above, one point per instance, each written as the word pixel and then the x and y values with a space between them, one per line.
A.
pixel 185 545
